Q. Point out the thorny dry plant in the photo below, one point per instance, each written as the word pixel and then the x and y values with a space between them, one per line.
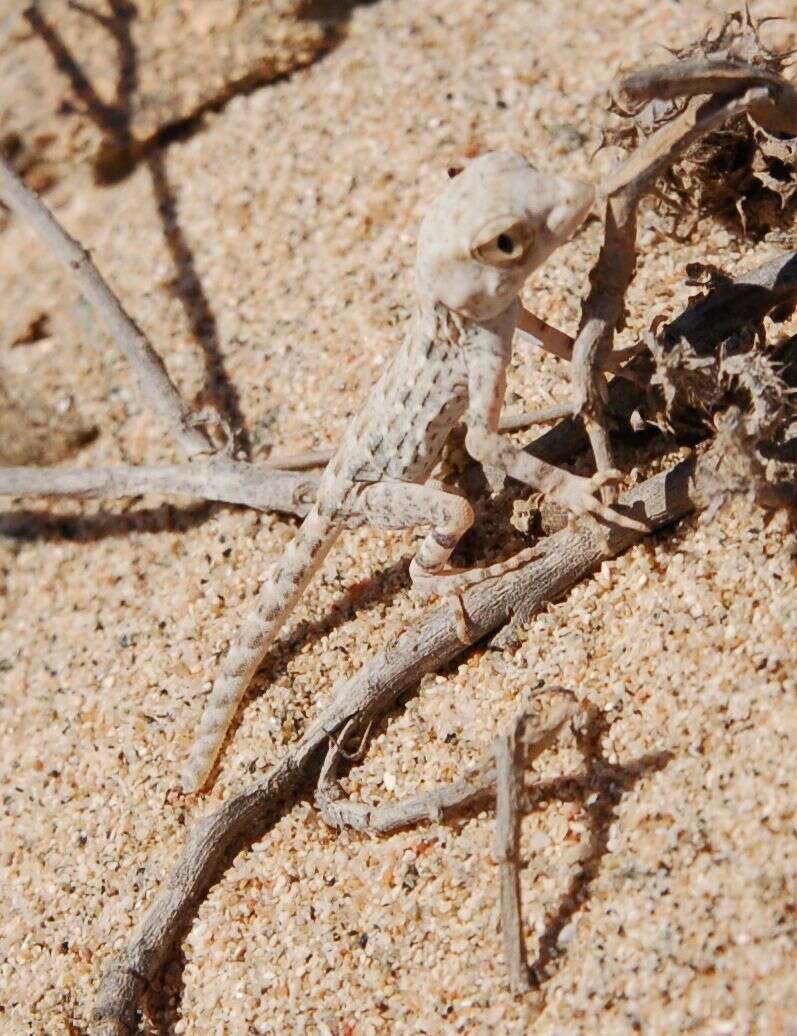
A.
pixel 698 373
pixel 708 367
pixel 742 172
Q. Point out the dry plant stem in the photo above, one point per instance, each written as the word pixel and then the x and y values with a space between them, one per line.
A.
pixel 654 153
pixel 431 805
pixel 556 342
pixel 272 485
pixel 508 423
pixel 571 554
pixel 268 486
pixel 227 481
pixel 530 418
pixel 690 78
pixel 665 146
pixel 478 783
pixel 299 461
pixel 543 335
pixel 508 783
pixel 499 775
pixel 603 310
pixel 777 114
pixel 153 378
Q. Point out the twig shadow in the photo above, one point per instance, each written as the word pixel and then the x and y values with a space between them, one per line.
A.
pixel 599 789
pixel 111 117
pixel 30 526
pixel 218 390
pixel 120 151
pixel 118 155
pixel 165 994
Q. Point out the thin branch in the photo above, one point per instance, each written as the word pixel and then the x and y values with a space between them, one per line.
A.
pixel 299 461
pixel 691 78
pixel 508 783
pixel 777 113
pixel 530 418
pixel 267 485
pixel 228 481
pixel 427 645
pixel 153 379
pixel 534 329
pixel 431 805
pixel 508 423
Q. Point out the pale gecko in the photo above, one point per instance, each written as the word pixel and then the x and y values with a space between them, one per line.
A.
pixel 495 222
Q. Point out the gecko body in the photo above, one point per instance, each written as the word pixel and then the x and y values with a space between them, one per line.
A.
pixel 479 240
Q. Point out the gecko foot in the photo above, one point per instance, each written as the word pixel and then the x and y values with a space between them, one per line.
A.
pixel 450 582
pixel 461 620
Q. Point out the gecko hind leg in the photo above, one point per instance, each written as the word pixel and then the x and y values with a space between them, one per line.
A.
pixel 402 505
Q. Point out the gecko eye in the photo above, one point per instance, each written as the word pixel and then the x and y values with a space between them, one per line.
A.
pixel 509 247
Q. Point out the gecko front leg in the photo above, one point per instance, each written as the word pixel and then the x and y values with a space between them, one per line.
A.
pixel 487 356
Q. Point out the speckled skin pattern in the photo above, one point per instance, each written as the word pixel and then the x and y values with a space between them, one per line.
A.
pixel 496 221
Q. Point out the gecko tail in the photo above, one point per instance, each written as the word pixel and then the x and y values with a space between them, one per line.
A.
pixel 276 601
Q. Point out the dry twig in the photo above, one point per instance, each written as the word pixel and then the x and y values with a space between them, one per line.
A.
pixel 270 485
pixel 476 784
pixel 508 783
pixel 777 112
pixel 228 481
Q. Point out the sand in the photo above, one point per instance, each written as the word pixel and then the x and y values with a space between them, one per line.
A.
pixel 279 234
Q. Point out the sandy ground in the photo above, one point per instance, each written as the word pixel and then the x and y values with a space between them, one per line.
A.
pixel 275 243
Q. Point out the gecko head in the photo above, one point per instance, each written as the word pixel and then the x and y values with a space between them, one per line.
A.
pixel 496 221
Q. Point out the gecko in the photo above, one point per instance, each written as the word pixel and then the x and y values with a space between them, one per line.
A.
pixel 496 221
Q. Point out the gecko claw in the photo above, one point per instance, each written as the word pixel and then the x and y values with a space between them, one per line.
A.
pixel 578 494
pixel 461 621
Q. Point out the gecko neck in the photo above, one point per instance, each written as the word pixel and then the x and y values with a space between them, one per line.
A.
pixel 459 326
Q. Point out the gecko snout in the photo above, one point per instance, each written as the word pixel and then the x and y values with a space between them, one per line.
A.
pixel 574 201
